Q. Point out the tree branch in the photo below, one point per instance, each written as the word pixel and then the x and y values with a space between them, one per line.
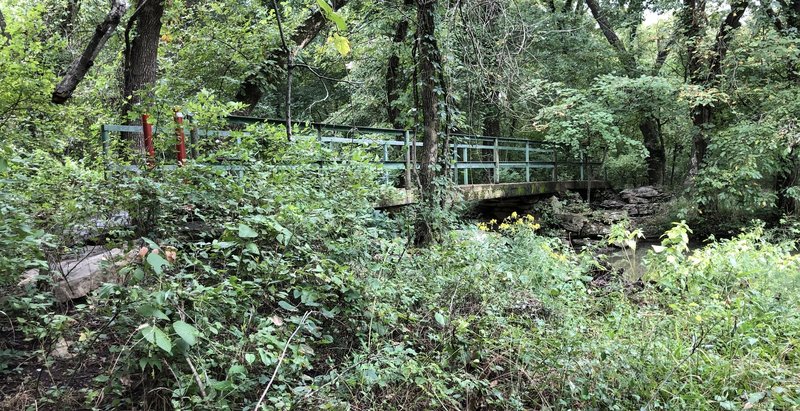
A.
pixel 78 69
pixel 625 58
pixel 732 21
pixel 662 55
pixel 250 90
pixel 3 27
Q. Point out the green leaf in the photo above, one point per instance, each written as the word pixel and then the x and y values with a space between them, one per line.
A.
pixel 156 262
pixel 252 248
pixel 150 243
pixel 154 335
pixel 250 358
pixel 186 331
pixel 286 306
pixel 149 310
pixel 237 369
pixel 332 15
pixel 245 231
pixel 440 319
pixel 341 44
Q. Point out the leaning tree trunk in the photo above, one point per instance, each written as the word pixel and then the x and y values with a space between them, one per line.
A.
pixel 428 62
pixel 657 158
pixel 141 58
pixel 78 69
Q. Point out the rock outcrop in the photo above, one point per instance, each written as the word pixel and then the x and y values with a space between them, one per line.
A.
pixel 635 204
pixel 77 277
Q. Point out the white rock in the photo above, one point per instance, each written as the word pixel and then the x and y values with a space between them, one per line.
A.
pixel 85 275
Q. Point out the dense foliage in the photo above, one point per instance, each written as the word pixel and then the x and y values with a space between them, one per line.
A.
pixel 292 265
pixel 258 274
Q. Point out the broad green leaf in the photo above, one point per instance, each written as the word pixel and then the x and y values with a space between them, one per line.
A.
pixel 149 334
pixel 163 341
pixel 286 306
pixel 237 369
pixel 156 262
pixel 341 44
pixel 440 319
pixel 252 247
pixel 150 243
pixel 148 310
pixel 250 358
pixel 332 15
pixel 186 331
pixel 154 335
pixel 245 231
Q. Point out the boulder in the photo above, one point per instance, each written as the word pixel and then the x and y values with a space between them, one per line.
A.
pixel 78 276
pixel 572 222
pixel 612 204
pixel 640 192
pixel 85 275
pixel 61 350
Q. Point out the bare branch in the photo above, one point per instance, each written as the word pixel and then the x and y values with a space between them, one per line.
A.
pixel 78 69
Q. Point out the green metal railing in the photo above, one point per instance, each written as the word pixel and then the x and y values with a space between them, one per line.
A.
pixel 472 159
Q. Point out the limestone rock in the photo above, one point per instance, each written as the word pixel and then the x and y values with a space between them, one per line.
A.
pixel 85 275
pixel 572 222
pixel 640 192
pixel 61 350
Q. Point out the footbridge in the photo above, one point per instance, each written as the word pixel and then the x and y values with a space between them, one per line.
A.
pixel 482 167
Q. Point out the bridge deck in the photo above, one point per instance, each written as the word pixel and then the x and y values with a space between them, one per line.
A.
pixel 478 192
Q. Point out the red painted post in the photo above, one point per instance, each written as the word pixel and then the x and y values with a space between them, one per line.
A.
pixel 147 131
pixel 181 144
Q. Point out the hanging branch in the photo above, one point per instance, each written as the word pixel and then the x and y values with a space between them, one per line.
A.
pixel 289 67
pixel 250 90
pixel 78 69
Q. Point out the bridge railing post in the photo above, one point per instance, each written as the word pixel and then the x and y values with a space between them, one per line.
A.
pixel 385 160
pixel 583 166
pixel 527 162
pixel 496 161
pixel 454 148
pixel 555 163
pixel 465 156
pixel 407 155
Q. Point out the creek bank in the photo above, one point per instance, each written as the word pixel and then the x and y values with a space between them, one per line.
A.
pixel 569 216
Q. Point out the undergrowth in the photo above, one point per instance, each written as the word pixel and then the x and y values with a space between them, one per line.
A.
pixel 283 287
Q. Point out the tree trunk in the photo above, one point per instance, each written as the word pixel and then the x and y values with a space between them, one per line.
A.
pixel 141 57
pixel 491 128
pixel 393 72
pixel 625 58
pixel 693 18
pixel 70 17
pixel 3 27
pixel 657 159
pixel 78 69
pixel 701 118
pixel 428 62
